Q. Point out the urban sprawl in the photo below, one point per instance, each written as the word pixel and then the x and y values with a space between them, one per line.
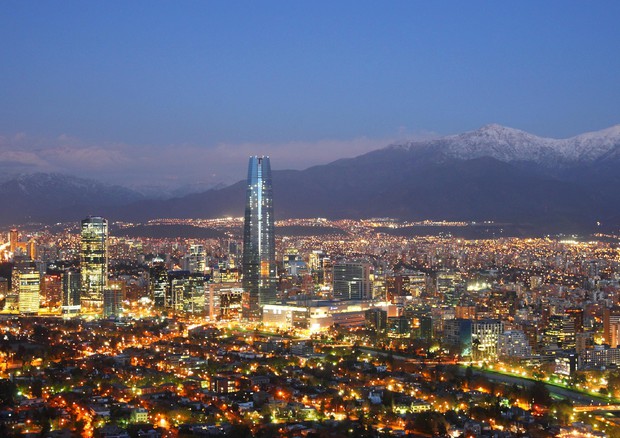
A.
pixel 305 328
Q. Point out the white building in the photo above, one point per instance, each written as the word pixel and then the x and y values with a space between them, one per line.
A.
pixel 513 344
pixel 319 315
pixel 599 357
pixel 484 337
pixel 139 415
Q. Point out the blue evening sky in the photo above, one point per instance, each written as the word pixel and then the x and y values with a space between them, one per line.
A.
pixel 222 74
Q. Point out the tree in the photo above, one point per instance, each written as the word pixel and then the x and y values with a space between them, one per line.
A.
pixel 40 333
pixel 469 374
pixel 562 410
pixel 390 358
pixel 43 418
pixel 613 382
pixel 431 423
pixel 239 431
pixel 8 392
pixel 539 394
pixel 388 399
pixel 37 388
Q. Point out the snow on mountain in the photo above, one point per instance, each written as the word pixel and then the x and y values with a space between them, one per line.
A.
pixel 591 145
pixel 56 185
pixel 509 144
pixel 53 197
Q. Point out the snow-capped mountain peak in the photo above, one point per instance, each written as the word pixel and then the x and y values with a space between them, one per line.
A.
pixel 509 144
pixel 592 145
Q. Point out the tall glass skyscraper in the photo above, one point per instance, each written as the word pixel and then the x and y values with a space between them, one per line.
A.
pixel 27 281
pixel 259 248
pixel 70 291
pixel 93 263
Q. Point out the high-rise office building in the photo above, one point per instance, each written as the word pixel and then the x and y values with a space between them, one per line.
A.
pixel 13 239
pixel 112 302
pixel 70 292
pixel 376 319
pixel 93 263
pixel 194 299
pixel 611 317
pixel 316 261
pixel 4 287
pixel 484 337
pixel 31 249
pixel 351 280
pixel 576 315
pixel 293 262
pixel 259 257
pixel 197 259
pixel 233 254
pixel 159 285
pixel 513 344
pixel 27 280
pixel 186 292
pixel 51 291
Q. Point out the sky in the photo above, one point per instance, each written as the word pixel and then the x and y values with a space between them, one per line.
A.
pixel 169 93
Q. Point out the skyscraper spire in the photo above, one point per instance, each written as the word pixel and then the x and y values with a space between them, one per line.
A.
pixel 259 258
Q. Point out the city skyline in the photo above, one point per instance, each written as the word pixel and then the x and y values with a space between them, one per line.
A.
pixel 414 333
pixel 436 253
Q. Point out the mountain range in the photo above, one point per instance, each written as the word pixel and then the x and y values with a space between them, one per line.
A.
pixel 512 145
pixel 494 173
pixel 54 197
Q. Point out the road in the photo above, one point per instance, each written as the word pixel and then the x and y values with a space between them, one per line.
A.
pixel 575 396
pixel 404 357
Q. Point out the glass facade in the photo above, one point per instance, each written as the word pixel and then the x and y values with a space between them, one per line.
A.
pixel 259 249
pixel 352 281
pixel 93 263
pixel 28 281
pixel 159 285
pixel 70 291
